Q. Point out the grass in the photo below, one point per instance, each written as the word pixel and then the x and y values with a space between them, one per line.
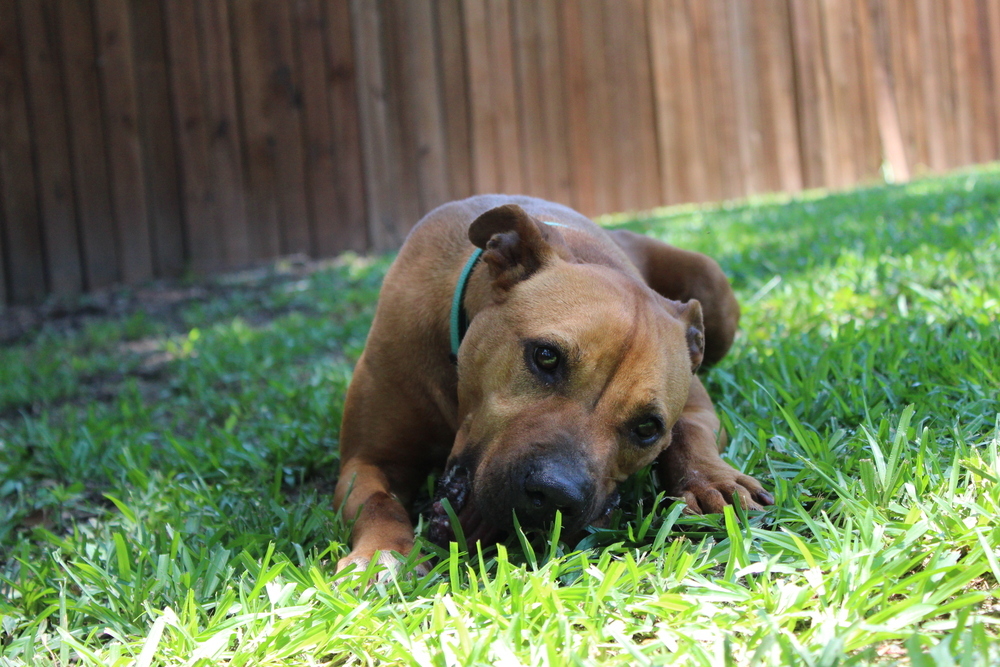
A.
pixel 165 480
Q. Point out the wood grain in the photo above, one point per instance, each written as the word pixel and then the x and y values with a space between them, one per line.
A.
pixel 272 130
pixel 144 138
pixel 225 149
pixel 348 230
pixel 454 96
pixel 156 134
pixel 121 122
pixel 421 103
pixel 201 234
pixel 87 145
pixel 23 254
pixel 47 109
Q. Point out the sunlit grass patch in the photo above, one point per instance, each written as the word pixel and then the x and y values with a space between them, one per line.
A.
pixel 165 479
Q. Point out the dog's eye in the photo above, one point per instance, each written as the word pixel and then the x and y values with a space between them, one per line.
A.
pixel 648 430
pixel 546 358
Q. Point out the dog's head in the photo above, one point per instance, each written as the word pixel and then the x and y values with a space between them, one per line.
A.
pixel 570 380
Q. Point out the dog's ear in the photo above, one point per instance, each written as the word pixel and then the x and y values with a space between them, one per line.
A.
pixel 514 245
pixel 689 313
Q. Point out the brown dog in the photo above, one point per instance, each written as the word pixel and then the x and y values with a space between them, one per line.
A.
pixel 577 369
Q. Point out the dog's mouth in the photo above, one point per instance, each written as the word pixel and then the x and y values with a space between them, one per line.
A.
pixel 455 486
pixel 614 499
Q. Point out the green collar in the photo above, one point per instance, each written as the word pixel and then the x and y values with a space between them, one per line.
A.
pixel 459 319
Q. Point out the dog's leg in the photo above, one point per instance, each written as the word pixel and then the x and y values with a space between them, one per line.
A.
pixel 691 468
pixel 387 445
pixel 683 275
pixel 382 523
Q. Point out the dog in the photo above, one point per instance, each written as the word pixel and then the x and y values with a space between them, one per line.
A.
pixel 539 361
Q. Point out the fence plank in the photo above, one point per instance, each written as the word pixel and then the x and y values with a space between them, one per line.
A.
pixel 782 167
pixel 648 159
pixel 348 230
pixel 946 64
pixel 381 166
pixel 25 266
pixel 978 85
pixel 985 110
pixel 868 144
pixel 688 129
pixel 873 26
pixel 320 170
pixel 529 98
pixel 621 100
pixel 992 29
pixel 706 88
pixel 128 196
pixel 454 95
pixel 160 168
pixel 959 39
pixel 47 110
pixel 486 176
pixel 838 42
pixel 767 159
pixel 372 113
pixel 421 103
pixel 88 156
pixel 542 100
pixel 183 56
pixel 269 89
pixel 903 65
pixel 635 159
pixel 554 103
pixel 663 97
pixel 598 105
pixel 965 72
pixel 724 93
pixel 3 270
pixel 225 152
pixel 936 84
pixel 659 61
pixel 581 163
pixel 811 93
pixel 403 139
pixel 505 91
pixel 747 92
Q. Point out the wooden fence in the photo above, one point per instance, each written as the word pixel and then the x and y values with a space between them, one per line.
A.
pixel 141 137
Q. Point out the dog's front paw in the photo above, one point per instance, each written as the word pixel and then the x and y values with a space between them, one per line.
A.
pixel 390 564
pixel 709 492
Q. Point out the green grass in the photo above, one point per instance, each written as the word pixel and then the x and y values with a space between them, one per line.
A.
pixel 165 482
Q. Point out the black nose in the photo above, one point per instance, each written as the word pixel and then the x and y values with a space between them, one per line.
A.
pixel 552 484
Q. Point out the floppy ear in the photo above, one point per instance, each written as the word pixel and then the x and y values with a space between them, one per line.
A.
pixel 514 245
pixel 689 314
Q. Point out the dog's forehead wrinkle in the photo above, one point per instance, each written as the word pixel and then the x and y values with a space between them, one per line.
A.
pixel 642 377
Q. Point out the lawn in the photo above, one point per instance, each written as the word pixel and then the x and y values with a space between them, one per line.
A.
pixel 167 458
